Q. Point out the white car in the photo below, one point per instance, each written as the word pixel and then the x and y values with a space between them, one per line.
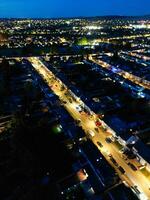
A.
pixel 91 133
pixel 78 108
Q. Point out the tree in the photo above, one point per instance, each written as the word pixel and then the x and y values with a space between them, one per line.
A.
pixel 83 41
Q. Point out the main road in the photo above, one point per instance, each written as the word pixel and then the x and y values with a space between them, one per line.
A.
pixel 136 180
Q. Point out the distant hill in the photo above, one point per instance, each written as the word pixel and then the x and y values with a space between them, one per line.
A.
pixel 115 17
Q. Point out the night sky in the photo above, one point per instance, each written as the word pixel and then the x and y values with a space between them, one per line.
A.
pixel 72 8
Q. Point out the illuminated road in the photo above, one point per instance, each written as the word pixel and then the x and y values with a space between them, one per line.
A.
pixel 87 122
pixel 135 79
pixel 144 60
pixel 137 55
pixel 122 38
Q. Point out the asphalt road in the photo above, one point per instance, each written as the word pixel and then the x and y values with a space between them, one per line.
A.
pixel 131 177
pixel 135 79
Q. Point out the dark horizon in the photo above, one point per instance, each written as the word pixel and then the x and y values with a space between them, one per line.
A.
pixel 81 17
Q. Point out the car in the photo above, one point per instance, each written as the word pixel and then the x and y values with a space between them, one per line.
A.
pixel 100 144
pixel 132 166
pixel 135 188
pixel 64 102
pixel 78 121
pixel 91 133
pixel 62 88
pixel 78 108
pixel 96 129
pixel 113 161
pixel 70 100
pixel 121 170
pixel 98 123
pixel 108 140
pixel 141 167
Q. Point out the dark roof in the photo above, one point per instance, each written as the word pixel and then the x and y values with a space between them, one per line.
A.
pixel 143 150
